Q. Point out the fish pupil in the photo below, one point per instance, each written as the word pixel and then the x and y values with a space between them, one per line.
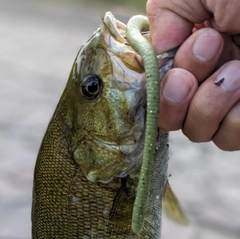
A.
pixel 91 87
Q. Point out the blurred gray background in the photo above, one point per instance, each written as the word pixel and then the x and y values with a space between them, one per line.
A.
pixel 38 43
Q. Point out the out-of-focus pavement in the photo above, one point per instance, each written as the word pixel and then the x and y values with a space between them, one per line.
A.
pixel 38 43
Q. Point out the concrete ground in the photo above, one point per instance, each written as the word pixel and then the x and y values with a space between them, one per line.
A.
pixel 38 43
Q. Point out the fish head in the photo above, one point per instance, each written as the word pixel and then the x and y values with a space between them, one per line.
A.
pixel 107 86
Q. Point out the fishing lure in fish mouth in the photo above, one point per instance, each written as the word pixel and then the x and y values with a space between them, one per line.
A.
pixel 135 27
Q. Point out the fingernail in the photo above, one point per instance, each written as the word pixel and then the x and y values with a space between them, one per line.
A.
pixel 176 88
pixel 229 77
pixel 206 45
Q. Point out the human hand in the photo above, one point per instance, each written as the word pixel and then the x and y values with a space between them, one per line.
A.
pixel 201 94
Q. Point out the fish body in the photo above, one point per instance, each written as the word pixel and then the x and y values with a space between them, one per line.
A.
pixel 88 165
pixel 93 142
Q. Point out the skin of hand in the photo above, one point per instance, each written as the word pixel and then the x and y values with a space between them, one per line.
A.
pixel 201 94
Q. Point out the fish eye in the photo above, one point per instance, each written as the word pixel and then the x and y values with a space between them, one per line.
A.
pixel 91 87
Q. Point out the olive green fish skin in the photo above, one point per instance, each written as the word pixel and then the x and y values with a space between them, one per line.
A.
pixel 90 144
pixel 88 165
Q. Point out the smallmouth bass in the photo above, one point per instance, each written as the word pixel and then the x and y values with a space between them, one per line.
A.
pixel 88 165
